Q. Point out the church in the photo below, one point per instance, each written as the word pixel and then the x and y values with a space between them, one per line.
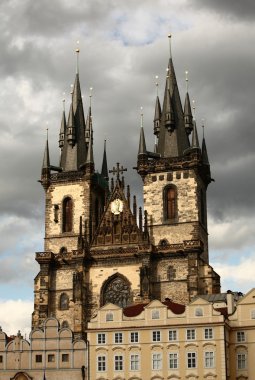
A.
pixel 126 291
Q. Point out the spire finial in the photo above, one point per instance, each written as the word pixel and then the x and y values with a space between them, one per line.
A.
pixel 194 109
pixel 71 92
pixel 203 127
pixel 170 44
pixel 141 117
pixel 47 130
pixel 187 80
pixel 90 95
pixel 77 50
pixel 156 77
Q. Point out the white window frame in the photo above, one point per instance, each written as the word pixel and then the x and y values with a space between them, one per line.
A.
pixel 240 336
pixel 241 360
pixel 100 363
pixel 156 336
pixel 118 362
pixel 134 337
pixel 135 362
pixel 199 312
pixel 191 334
pixel 173 332
pixel 118 337
pixel 99 338
pixel 208 333
pixel 156 361
pixel 174 360
pixel 209 359
pixel 193 357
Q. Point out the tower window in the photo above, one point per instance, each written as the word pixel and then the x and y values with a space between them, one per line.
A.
pixel 64 302
pixel 171 273
pixel 67 215
pixel 170 202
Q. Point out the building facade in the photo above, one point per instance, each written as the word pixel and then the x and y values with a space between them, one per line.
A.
pixel 125 292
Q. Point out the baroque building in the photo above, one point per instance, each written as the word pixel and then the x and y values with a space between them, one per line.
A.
pixel 99 246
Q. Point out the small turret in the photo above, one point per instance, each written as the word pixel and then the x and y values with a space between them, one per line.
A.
pixel 142 144
pixel 104 170
pixel 195 141
pixel 71 127
pixel 45 173
pixel 62 133
pixel 169 112
pixel 157 117
pixel 187 109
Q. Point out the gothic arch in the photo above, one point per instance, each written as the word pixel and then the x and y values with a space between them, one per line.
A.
pixel 63 301
pixel 117 290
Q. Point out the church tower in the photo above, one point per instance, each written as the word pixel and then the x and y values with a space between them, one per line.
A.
pixel 175 180
pixel 99 245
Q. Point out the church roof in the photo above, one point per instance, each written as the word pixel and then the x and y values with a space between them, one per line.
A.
pixel 136 309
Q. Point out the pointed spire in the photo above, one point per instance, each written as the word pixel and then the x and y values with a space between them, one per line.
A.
pixel 90 156
pixel 142 143
pixel 71 127
pixel 195 140
pixel 88 125
pixel 46 156
pixel 157 117
pixel 187 109
pixel 205 158
pixel 104 170
pixel 62 128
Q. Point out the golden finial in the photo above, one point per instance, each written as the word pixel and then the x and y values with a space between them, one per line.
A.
pixel 71 92
pixel 77 56
pixel 141 117
pixel 156 77
pixel 170 44
pixel 187 79
pixel 90 95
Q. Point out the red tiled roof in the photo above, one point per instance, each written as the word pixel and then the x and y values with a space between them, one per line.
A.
pixel 134 310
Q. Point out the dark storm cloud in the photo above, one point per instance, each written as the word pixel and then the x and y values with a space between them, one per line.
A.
pixel 241 10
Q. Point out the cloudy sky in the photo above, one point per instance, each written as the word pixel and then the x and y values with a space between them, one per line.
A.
pixel 123 46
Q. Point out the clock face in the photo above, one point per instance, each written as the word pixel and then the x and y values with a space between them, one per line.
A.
pixel 116 206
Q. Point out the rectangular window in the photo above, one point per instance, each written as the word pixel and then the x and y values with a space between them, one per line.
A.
pixel 241 361
pixel 38 358
pixel 101 338
pixel 156 361
pixel 209 359
pixel 118 363
pixel 156 336
pixel 209 333
pixel 134 362
pixel 172 335
pixel 192 359
pixel 191 334
pixel 155 314
pixel 101 363
pixel 173 360
pixel 118 338
pixel 1 358
pixel 134 337
pixel 65 358
pixel 240 336
pixel 51 358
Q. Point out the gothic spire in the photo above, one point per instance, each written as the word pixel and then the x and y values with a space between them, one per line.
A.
pixel 142 144
pixel 46 156
pixel 90 156
pixel 104 170
pixel 204 152
pixel 62 132
pixel 188 114
pixel 173 139
pixel 157 117
pixel 195 140
pixel 71 127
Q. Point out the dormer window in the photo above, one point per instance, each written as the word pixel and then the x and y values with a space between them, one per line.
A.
pixel 199 312
pixel 109 317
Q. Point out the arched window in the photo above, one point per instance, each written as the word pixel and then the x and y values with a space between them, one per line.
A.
pixel 63 251
pixel 67 215
pixel 65 324
pixel 64 302
pixel 170 202
pixel 109 317
pixel 117 291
